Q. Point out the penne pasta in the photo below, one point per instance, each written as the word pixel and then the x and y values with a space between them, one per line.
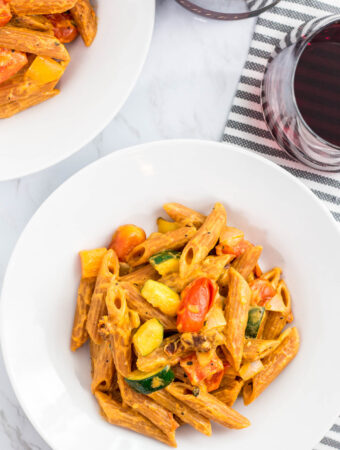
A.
pixel 161 241
pixel 273 365
pixel 245 263
pixel 284 293
pixel 19 87
pixel 126 417
pixel 208 405
pixel 79 333
pixel 276 320
pixel 31 7
pixel 184 412
pixel 156 413
pixel 119 327
pixel 37 23
pixel 236 315
pixel 31 41
pixel 204 240
pixel 86 20
pixel 273 276
pixel 146 311
pixel 184 215
pixel 228 394
pixel 102 366
pixel 274 325
pixel 179 373
pixel 141 275
pixel 258 348
pixel 10 109
pixel 109 269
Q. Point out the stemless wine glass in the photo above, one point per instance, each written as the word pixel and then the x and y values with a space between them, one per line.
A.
pixel 301 94
pixel 227 9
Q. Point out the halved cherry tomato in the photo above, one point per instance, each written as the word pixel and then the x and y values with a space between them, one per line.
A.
pixel 10 63
pixel 125 239
pixel 198 374
pixel 5 12
pixel 237 249
pixel 262 291
pixel 196 300
pixel 64 27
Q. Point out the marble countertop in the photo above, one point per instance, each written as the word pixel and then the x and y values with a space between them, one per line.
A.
pixel 185 91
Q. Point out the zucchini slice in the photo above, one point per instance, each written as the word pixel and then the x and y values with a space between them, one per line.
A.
pixel 148 337
pixel 161 296
pixel 146 383
pixel 256 317
pixel 165 262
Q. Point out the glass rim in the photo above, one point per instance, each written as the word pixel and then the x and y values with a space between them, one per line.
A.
pixel 319 28
pixel 210 14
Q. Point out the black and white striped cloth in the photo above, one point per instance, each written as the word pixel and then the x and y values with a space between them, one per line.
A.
pixel 246 127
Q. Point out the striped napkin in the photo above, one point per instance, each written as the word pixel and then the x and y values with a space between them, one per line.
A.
pixel 246 127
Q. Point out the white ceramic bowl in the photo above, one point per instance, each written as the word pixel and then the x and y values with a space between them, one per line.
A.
pixel 95 86
pixel 274 209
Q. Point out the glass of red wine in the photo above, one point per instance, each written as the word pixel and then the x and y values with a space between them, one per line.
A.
pixel 301 94
pixel 227 9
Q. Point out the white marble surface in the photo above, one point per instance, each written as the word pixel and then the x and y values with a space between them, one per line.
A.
pixel 185 91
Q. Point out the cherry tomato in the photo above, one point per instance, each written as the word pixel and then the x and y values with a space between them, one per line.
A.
pixel 64 27
pixel 198 374
pixel 11 62
pixel 213 382
pixel 5 12
pixel 125 239
pixel 196 300
pixel 237 249
pixel 262 291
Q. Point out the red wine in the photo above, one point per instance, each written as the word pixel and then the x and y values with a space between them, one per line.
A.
pixel 317 84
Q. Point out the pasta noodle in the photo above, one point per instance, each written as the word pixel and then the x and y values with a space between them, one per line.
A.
pixel 23 7
pixel 229 393
pixel 205 240
pixel 31 41
pixel 86 20
pixel 210 406
pixel 236 314
pixel 273 365
pixel 165 241
pixel 102 366
pixel 184 215
pixel 119 327
pixel 184 412
pixel 126 417
pixel 157 414
pixel 10 109
pixel 79 332
pixel 140 276
pixel 109 269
